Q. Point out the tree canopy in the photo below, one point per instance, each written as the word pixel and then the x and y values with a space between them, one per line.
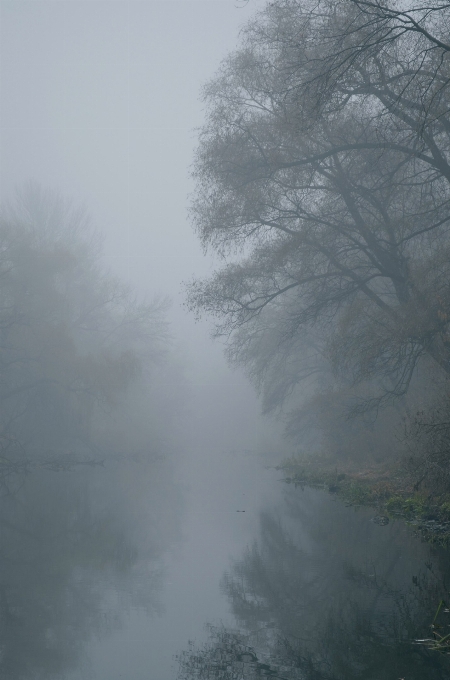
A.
pixel 323 180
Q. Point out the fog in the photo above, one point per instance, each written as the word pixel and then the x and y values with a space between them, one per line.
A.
pixel 100 103
pixel 158 364
pixel 100 100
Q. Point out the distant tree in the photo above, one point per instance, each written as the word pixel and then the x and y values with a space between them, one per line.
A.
pixel 72 337
pixel 323 183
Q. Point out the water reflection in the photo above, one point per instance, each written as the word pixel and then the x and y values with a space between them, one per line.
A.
pixel 320 592
pixel 78 550
pixel 326 594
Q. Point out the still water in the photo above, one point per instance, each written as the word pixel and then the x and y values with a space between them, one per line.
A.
pixel 109 572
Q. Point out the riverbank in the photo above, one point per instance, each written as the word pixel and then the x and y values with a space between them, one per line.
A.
pixel 387 489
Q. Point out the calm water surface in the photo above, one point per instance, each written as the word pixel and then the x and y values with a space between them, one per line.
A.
pixel 108 573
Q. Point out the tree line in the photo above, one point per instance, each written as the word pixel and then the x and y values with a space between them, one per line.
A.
pixel 79 352
pixel 322 177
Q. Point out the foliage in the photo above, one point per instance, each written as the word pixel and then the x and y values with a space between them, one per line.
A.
pixel 323 184
pixel 427 439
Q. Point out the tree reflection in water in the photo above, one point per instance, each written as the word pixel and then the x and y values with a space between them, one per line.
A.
pixel 73 560
pixel 228 655
pixel 327 595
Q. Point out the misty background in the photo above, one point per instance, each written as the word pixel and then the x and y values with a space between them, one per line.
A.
pixel 100 100
pixel 99 104
pixel 145 531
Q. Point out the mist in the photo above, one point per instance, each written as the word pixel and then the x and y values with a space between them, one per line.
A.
pixel 224 340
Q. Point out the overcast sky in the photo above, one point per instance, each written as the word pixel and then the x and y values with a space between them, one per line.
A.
pixel 101 100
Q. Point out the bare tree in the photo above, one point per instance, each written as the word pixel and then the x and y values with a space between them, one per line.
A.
pixel 323 183
pixel 72 337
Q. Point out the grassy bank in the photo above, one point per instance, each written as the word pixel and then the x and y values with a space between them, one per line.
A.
pixel 385 488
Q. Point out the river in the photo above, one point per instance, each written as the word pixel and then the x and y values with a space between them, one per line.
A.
pixel 109 572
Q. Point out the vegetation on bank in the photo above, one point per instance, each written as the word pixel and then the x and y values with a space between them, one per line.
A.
pixel 323 187
pixel 389 489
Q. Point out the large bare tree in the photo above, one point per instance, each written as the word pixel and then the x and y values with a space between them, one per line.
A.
pixel 323 183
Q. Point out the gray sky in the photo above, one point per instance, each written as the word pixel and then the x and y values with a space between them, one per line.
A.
pixel 100 99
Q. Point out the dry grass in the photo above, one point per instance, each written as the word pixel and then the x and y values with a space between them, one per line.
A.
pixel 386 488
